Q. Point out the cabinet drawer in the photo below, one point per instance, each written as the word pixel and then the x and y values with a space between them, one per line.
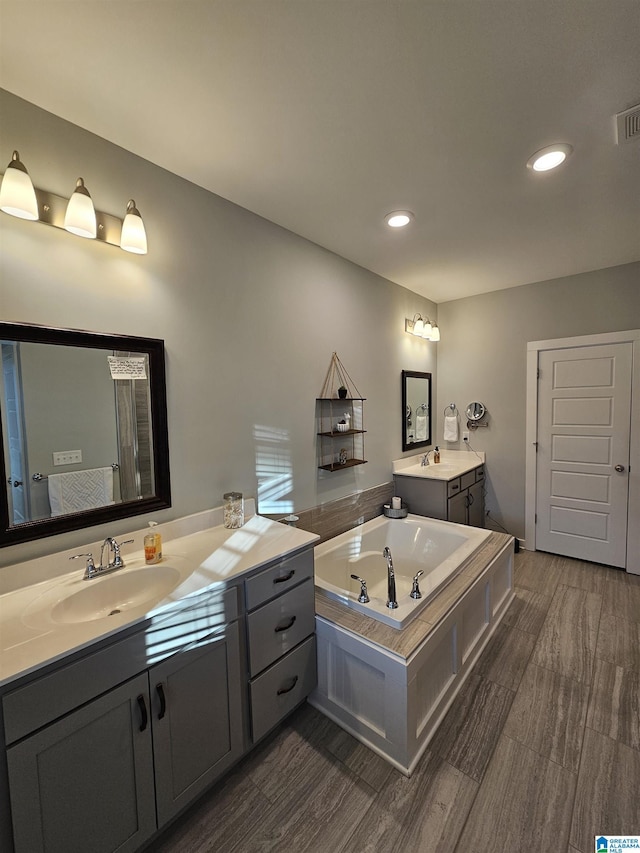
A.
pixel 467 479
pixel 278 578
pixel 453 487
pixel 479 473
pixel 282 687
pixel 277 627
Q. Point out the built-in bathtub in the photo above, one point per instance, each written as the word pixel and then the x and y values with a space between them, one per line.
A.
pixel 390 686
pixel 437 548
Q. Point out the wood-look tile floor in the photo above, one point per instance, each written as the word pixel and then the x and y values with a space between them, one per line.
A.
pixel 540 750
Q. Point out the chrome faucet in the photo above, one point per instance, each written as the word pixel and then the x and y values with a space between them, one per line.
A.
pixel 113 547
pixel 425 458
pixel 391 580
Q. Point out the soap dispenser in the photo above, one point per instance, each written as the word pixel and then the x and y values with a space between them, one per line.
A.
pixel 152 545
pixel 436 455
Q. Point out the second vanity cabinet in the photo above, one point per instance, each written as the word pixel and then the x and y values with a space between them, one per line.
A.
pixel 460 499
pixel 104 750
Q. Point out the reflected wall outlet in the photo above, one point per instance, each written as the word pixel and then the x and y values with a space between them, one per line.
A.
pixel 67 457
pixel 465 435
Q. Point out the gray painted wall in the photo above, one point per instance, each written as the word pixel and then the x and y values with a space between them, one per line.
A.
pixel 249 312
pixel 482 356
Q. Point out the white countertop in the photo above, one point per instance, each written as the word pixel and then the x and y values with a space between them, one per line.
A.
pixel 453 463
pixel 204 558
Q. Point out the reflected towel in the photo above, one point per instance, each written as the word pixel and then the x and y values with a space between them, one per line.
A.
pixel 451 428
pixel 421 428
pixel 79 490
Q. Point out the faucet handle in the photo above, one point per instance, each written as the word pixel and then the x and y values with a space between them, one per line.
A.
pixel 118 562
pixel 90 569
pixel 363 598
pixel 415 589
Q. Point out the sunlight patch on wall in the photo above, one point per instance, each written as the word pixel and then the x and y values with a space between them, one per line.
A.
pixel 274 470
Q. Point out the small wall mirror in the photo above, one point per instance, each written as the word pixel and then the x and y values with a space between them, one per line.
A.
pixel 90 408
pixel 416 409
pixel 475 411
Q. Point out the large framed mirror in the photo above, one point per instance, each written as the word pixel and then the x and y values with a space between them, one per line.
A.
pixel 416 409
pixel 84 435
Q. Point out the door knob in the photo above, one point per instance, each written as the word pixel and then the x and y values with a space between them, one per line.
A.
pixel 16 483
pixel 620 469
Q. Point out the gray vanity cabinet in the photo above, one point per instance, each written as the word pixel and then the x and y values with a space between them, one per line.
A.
pixel 280 640
pixel 197 720
pixel 85 783
pixel 108 773
pixel 460 499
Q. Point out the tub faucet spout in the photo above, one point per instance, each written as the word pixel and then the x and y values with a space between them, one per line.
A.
pixel 391 580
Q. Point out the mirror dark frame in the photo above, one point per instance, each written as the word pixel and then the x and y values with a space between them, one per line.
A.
pixel 154 348
pixel 414 374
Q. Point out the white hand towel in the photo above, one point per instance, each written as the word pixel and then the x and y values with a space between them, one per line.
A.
pixel 421 428
pixel 450 428
pixel 79 490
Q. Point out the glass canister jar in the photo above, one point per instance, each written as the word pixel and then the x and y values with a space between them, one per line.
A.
pixel 233 509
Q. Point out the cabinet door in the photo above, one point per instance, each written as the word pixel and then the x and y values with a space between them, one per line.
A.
pixel 458 508
pixel 197 714
pixel 476 506
pixel 85 783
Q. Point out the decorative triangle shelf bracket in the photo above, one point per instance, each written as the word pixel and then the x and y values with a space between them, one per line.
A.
pixel 337 376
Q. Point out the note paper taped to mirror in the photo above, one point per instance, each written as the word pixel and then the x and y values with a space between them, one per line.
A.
pixel 127 368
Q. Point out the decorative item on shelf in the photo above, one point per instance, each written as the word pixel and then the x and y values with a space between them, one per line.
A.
pixel 342 392
pixel 344 424
pixel 77 215
pixel 343 456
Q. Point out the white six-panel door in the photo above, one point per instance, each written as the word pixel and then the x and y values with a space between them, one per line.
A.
pixel 583 434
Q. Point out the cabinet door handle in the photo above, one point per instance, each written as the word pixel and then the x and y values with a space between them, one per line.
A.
pixel 285 627
pixel 143 712
pixel 163 701
pixel 471 499
pixel 288 689
pixel 285 578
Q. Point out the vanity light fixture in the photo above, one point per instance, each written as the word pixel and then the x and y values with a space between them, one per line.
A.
pixel 422 328
pixel 550 157
pixel 18 197
pixel 399 218
pixel 80 218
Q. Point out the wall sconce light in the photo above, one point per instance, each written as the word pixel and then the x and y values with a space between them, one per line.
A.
pixel 18 197
pixel 422 328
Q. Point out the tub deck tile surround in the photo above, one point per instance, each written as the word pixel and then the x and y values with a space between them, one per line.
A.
pixel 404 642
pixel 528 798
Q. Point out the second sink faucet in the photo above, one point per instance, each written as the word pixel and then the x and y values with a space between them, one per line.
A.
pixel 391 580
pixel 425 458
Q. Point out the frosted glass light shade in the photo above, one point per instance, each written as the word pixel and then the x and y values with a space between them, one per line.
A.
pixel 134 236
pixel 418 327
pixel 435 333
pixel 17 195
pixel 428 328
pixel 80 217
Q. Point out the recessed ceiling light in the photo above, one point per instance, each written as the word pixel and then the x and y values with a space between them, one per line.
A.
pixel 398 218
pixel 549 157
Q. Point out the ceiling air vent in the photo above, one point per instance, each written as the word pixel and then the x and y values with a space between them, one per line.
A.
pixel 628 124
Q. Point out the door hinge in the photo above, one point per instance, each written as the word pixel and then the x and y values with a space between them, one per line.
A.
pixel 535 518
pixel 538 373
pixel 535 444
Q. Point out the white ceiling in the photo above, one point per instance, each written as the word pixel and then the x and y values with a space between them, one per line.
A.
pixel 324 115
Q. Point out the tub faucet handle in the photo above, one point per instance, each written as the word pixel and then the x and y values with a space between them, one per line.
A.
pixel 363 598
pixel 415 589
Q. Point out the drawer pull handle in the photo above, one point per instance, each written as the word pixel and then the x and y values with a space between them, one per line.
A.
pixel 454 488
pixel 143 712
pixel 285 578
pixel 286 627
pixel 163 701
pixel 288 689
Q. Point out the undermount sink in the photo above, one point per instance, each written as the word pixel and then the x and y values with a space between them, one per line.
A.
pixel 114 593
pixel 98 598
